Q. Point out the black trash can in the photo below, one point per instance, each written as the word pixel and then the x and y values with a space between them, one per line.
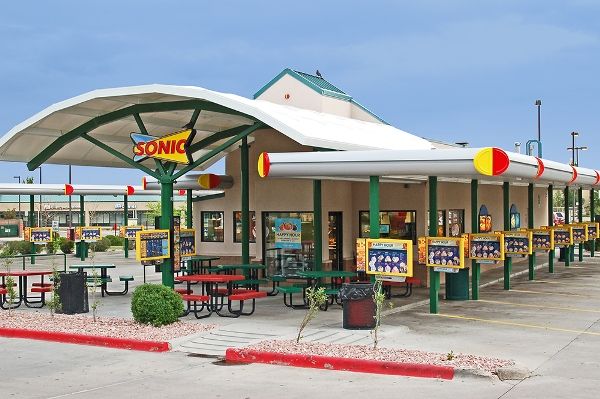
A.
pixel 359 306
pixel 73 293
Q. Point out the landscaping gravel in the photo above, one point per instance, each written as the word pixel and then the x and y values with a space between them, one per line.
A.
pixel 104 326
pixel 459 360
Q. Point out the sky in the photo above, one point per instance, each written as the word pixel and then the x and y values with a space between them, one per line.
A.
pixel 456 71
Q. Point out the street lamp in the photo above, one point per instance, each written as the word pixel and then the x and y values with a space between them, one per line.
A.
pixel 572 148
pixel 19 181
pixel 538 104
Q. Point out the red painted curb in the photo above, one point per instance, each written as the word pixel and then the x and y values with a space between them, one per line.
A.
pixel 235 355
pixel 70 338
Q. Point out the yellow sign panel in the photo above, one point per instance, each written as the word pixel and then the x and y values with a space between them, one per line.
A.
pixel 543 239
pixel 445 252
pixel 486 247
pixel 173 147
pixel 390 257
pixel 518 243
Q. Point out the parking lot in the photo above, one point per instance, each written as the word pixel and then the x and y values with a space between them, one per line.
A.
pixel 549 326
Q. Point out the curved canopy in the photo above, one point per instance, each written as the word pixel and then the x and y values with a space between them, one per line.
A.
pixel 71 131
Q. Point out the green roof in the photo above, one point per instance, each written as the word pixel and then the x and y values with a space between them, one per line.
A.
pixel 319 85
pixel 319 81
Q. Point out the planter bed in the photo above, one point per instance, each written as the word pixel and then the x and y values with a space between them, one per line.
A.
pixel 364 358
pixel 106 331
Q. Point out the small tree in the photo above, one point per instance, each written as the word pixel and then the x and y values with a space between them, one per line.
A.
pixel 7 253
pixel 316 298
pixel 379 299
pixel 54 304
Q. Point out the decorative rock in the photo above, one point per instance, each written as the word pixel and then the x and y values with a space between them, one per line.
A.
pixel 512 373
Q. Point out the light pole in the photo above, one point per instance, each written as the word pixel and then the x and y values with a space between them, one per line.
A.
pixel 577 149
pixel 40 213
pixel 70 209
pixel 538 104
pixel 19 181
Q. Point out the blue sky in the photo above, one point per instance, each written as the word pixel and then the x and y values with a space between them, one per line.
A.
pixel 447 70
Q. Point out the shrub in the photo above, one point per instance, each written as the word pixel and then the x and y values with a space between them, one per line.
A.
pixel 115 241
pixel 101 245
pixel 156 304
pixel 66 246
pixel 23 247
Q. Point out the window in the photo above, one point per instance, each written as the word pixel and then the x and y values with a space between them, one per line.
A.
pixel 237 226
pixel 212 226
pixel 400 225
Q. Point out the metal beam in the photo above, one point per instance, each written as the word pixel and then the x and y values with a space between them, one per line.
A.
pixel 580 218
pixel 530 224
pixel 550 223
pixel 217 150
pixel 318 224
pixel 475 267
pixel 125 223
pixel 117 154
pixel 213 138
pixel 244 174
pixel 567 249
pixel 592 218
pixel 506 206
pixel 131 110
pixel 434 277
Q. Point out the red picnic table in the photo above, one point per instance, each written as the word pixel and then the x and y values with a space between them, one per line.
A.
pixel 22 275
pixel 212 297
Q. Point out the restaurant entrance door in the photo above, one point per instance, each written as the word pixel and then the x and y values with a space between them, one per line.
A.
pixel 335 241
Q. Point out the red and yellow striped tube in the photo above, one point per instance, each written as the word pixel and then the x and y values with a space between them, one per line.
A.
pixel 264 165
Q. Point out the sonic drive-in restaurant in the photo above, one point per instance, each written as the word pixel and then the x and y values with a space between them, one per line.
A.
pixel 329 167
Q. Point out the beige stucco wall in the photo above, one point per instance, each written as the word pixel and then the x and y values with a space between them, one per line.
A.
pixel 349 198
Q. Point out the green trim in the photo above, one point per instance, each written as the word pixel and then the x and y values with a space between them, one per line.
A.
pixel 213 138
pixel 166 219
pixel 82 244
pixel 141 125
pixel 125 223
pixel 580 217
pixel 245 183
pixel 32 223
pixel 189 209
pixel 550 223
pixel 530 224
pixel 101 120
pixel 317 88
pixel 217 150
pixel 374 207
pixel 318 224
pixel 506 207
pixel 475 267
pixel 193 119
pixel 117 154
pixel 567 250
pixel 592 218
pixel 434 277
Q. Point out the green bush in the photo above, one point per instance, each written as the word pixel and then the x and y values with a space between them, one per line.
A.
pixel 588 245
pixel 23 247
pixel 66 246
pixel 156 304
pixel 100 246
pixel 115 241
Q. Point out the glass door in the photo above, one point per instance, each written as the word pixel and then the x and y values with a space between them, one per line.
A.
pixel 335 240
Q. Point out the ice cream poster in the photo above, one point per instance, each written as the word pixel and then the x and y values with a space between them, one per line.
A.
pixel 361 255
pixel 288 233
pixel 517 243
pixel 487 247
pixel 543 240
pixel 445 252
pixel 580 233
pixel 390 257
pixel 592 229
pixel 563 236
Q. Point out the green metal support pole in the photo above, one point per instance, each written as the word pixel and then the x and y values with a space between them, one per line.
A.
pixel 580 218
pixel 592 218
pixel 189 217
pixel 374 207
pixel 245 202
pixel 125 223
pixel 82 244
pixel 166 219
pixel 32 223
pixel 530 224
pixel 434 277
pixel 318 224
pixel 550 224
pixel 475 267
pixel 567 220
pixel 506 205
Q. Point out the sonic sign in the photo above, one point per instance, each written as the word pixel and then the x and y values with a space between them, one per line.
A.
pixel 173 147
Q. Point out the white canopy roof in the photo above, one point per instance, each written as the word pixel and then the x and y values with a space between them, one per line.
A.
pixel 224 111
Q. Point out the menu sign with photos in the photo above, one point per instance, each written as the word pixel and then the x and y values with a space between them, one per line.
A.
pixel 152 245
pixel 592 229
pixel 563 236
pixel 187 242
pixel 390 257
pixel 445 252
pixel 486 247
pixel 517 243
pixel 130 231
pixel 88 234
pixel 542 239
pixel 361 254
pixel 580 233
pixel 40 235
